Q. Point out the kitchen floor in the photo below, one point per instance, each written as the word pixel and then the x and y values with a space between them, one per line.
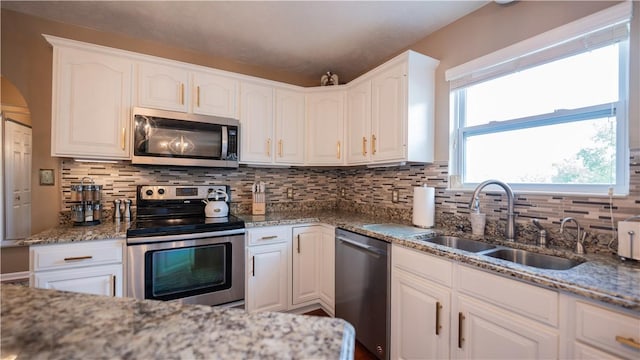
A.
pixel 361 352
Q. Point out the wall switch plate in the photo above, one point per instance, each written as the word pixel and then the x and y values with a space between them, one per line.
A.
pixel 395 196
pixel 290 193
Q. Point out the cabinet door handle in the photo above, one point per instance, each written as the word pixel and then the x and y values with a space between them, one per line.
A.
pixel 338 150
pixel 253 266
pixel 438 326
pixel 628 341
pixel 269 147
pixel 280 148
pixel 78 258
pixel 113 285
pixel 269 237
pixel 364 146
pixel 198 96
pixel 460 321
pixel 181 94
pixel 373 144
pixel 298 243
pixel 123 137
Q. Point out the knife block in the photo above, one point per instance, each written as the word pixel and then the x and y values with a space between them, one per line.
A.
pixel 258 207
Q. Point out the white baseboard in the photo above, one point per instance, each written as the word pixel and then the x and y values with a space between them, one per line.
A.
pixel 21 275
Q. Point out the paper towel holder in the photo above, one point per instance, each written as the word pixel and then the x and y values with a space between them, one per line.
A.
pixel 423 206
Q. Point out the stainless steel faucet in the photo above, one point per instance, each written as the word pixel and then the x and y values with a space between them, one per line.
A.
pixel 510 232
pixel 579 236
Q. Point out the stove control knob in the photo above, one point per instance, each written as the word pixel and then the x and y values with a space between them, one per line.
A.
pixel 161 191
pixel 149 192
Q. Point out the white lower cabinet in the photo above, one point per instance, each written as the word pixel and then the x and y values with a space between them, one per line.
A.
pixel 598 331
pixel 267 268
pixel 97 280
pixel 441 309
pixel 91 267
pixel 420 305
pixel 313 260
pixel 488 332
pixel 327 269
pixel 267 278
pixel 290 268
pixel 307 242
pixel 419 318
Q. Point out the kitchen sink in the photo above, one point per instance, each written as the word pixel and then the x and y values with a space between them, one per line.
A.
pixel 460 243
pixel 540 261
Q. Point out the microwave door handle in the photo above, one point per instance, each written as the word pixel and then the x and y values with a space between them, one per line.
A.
pixel 225 143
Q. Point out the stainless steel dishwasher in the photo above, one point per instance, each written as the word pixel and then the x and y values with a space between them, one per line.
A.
pixel 362 288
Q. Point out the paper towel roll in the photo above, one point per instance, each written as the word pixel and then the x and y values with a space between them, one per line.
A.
pixel 423 206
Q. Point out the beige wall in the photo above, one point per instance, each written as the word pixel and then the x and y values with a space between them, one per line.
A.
pixel 14 259
pixel 10 95
pixel 494 27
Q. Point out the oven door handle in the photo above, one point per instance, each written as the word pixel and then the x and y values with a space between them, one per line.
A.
pixel 163 238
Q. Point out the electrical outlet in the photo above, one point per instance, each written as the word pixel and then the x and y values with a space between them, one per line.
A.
pixel 290 193
pixel 395 196
pixel 342 192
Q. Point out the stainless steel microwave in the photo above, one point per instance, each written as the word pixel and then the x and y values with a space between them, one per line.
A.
pixel 172 138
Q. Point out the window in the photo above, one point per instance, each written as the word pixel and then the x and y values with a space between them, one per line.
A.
pixel 551 118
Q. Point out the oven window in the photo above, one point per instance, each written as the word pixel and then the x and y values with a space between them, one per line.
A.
pixel 182 272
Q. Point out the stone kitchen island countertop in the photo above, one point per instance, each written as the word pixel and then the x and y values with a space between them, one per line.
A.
pixel 51 324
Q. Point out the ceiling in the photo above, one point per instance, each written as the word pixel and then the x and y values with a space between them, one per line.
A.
pixel 306 38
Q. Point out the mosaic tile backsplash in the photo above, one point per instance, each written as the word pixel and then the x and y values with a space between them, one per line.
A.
pixel 368 190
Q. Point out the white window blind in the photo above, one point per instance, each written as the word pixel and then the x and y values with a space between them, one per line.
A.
pixel 594 31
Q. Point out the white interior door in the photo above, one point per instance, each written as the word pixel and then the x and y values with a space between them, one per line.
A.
pixel 17 187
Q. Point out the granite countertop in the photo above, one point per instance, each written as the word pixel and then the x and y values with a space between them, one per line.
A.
pixel 70 233
pixel 602 277
pixel 51 324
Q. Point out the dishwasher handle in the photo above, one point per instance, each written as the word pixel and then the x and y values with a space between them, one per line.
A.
pixel 362 246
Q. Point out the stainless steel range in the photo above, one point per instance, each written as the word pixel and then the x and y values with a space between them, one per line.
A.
pixel 175 253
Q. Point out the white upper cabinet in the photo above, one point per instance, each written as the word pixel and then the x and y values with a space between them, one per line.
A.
pixel 179 88
pixel 91 101
pixel 163 87
pixel 359 123
pixel 256 123
pixel 388 125
pixel 289 127
pixel 272 121
pixel 384 117
pixel 325 127
pixel 399 125
pixel 215 95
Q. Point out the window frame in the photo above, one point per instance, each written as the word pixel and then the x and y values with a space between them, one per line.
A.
pixel 620 108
